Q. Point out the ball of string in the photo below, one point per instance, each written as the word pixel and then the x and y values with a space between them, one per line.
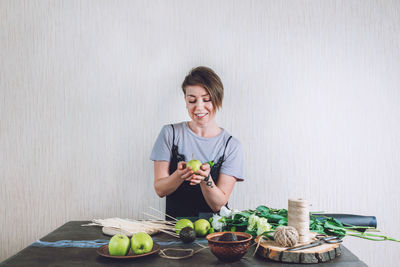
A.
pixel 286 236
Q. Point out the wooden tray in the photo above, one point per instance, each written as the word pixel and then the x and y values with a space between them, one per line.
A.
pixel 271 250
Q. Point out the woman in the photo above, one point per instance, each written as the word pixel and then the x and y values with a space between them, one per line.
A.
pixel 207 190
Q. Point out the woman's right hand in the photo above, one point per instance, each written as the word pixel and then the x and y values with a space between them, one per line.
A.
pixel 183 172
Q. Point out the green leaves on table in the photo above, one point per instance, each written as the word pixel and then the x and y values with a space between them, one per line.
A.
pixel 320 224
pixel 328 226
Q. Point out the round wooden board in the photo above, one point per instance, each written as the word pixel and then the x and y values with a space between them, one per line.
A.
pixel 271 250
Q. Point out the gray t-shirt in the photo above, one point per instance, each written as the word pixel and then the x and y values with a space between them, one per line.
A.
pixel 193 146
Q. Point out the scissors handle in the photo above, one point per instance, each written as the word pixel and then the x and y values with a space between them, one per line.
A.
pixel 311 245
pixel 321 239
pixel 334 240
pixel 329 239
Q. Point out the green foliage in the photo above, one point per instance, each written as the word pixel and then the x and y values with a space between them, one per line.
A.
pixel 279 217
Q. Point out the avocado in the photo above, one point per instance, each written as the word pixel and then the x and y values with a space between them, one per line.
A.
pixel 228 237
pixel 187 235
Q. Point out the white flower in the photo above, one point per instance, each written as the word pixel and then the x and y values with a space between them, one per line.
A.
pixel 253 219
pixel 263 226
pixel 216 224
pixel 225 212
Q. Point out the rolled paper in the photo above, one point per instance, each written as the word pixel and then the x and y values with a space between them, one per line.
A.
pixel 302 203
pixel 299 218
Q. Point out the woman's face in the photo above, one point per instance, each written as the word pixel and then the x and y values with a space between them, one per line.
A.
pixel 199 105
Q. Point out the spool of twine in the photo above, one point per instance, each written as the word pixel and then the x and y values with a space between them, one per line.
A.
pixel 286 236
pixel 299 218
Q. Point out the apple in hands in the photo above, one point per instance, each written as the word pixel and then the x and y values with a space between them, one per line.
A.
pixel 119 245
pixel 194 164
pixel 141 243
pixel 197 166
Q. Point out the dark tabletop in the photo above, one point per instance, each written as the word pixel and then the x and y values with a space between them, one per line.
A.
pixel 51 256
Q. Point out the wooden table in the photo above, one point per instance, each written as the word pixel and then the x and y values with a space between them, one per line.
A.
pixel 73 256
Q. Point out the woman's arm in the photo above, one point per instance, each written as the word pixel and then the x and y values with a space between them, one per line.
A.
pixel 218 195
pixel 165 184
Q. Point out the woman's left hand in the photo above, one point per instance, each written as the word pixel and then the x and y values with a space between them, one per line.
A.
pixel 201 174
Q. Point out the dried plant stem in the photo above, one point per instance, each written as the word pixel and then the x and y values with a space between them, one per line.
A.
pixel 161 222
pixel 164 214
pixel 151 215
pixel 169 233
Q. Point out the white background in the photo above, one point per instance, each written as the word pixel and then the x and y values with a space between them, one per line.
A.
pixel 312 92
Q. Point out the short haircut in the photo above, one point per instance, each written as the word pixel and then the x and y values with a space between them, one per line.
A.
pixel 209 80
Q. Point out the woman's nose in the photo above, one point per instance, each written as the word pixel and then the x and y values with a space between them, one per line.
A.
pixel 199 104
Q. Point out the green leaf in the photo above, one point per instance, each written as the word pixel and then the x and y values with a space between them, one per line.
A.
pixel 283 212
pixel 283 221
pixel 334 224
pixel 244 214
pixel 263 210
pixel 239 223
pixel 274 218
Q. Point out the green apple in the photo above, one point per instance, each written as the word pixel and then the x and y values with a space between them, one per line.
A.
pixel 118 245
pixel 141 243
pixel 201 226
pixel 194 164
pixel 182 223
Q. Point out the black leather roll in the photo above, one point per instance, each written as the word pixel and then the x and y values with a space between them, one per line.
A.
pixel 351 219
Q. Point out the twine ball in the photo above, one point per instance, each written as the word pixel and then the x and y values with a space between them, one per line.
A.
pixel 286 236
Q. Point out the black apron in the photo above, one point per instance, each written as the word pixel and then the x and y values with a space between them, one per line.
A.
pixel 188 200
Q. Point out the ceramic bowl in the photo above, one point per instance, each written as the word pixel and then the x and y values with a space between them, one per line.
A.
pixel 229 251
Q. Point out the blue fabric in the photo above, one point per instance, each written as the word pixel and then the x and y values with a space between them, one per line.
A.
pixel 72 243
pixel 96 243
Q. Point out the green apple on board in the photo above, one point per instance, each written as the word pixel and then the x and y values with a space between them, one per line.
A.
pixel 182 223
pixel 201 226
pixel 141 243
pixel 119 245
pixel 194 164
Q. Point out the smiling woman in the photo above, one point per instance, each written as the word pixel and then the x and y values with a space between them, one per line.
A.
pixel 208 189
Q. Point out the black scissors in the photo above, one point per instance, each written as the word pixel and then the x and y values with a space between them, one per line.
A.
pixel 321 239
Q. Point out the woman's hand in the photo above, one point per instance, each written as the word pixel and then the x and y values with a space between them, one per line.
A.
pixel 183 172
pixel 201 174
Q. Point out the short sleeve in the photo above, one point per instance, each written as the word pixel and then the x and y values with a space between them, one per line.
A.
pixel 233 164
pixel 162 147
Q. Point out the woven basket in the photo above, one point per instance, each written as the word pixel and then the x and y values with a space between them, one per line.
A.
pixel 229 251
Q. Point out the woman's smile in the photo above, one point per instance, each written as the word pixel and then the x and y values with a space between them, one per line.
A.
pixel 201 115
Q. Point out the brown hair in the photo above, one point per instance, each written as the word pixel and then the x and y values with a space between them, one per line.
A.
pixel 209 80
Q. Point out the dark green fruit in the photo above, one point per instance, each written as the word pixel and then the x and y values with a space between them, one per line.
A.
pixel 228 237
pixel 187 235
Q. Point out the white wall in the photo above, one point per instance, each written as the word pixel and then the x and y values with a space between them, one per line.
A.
pixel 312 92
